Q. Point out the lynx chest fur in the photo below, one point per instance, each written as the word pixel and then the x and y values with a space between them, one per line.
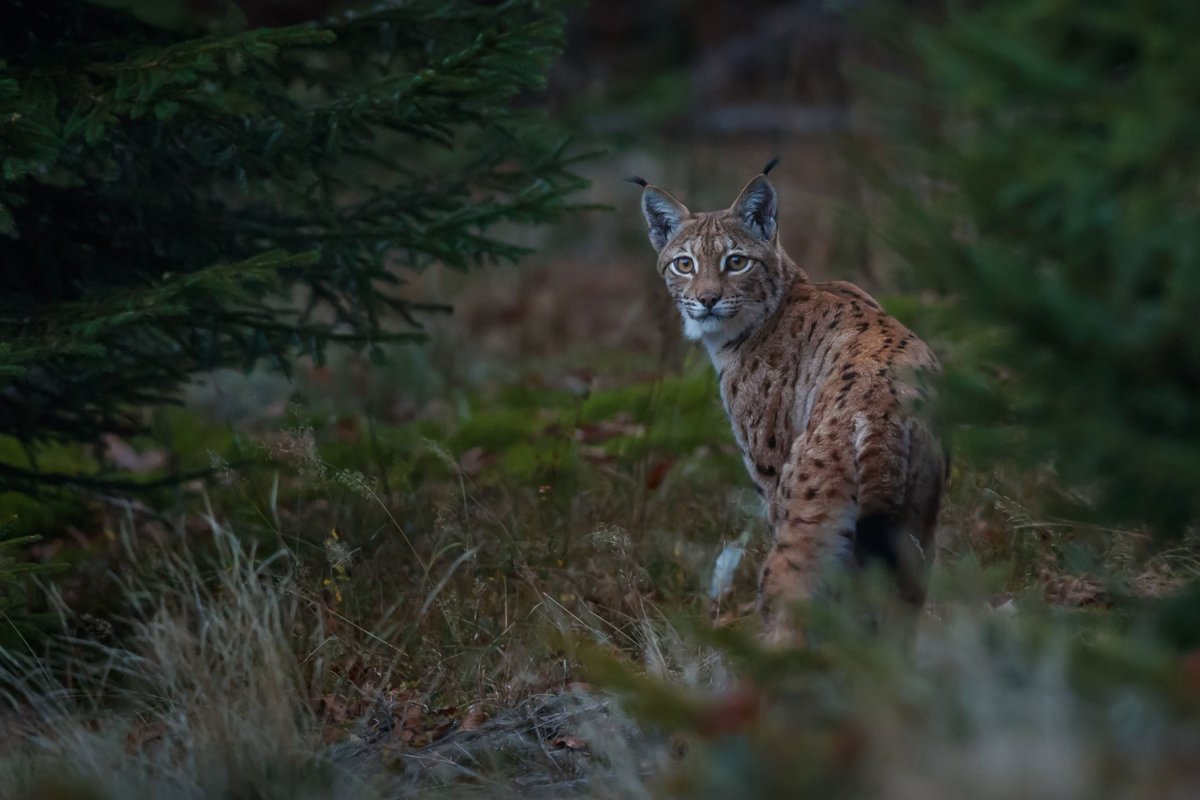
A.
pixel 825 392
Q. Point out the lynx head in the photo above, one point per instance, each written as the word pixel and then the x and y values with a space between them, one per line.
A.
pixel 724 269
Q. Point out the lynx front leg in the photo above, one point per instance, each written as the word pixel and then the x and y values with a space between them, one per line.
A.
pixel 813 520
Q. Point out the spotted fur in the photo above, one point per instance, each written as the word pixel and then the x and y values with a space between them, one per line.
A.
pixel 826 394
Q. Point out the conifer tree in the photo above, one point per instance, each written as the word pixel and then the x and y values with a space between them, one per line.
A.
pixel 1056 206
pixel 180 195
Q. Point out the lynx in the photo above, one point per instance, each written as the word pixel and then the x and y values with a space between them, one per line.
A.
pixel 825 393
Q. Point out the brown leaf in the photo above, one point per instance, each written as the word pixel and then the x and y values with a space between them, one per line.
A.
pixel 657 472
pixel 440 730
pixel 569 742
pixel 414 715
pixel 476 460
pixel 143 736
pixel 596 432
pixel 1072 590
pixel 597 455
pixel 322 376
pixel 347 429
pixel 475 718
pixel 401 696
pixel 732 711
pixel 728 616
pixel 333 708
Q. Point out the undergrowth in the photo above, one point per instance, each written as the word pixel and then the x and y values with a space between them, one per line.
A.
pixel 361 605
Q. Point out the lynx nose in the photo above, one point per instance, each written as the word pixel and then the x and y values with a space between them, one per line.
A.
pixel 709 299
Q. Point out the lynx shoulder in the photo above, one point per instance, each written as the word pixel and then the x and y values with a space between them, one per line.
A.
pixel 826 394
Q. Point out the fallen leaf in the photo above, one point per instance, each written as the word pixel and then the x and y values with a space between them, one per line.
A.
pixel 414 715
pixel 569 742
pixel 597 455
pixel 475 718
pixel 657 472
pixel 333 708
pixel 475 460
pixel 603 431
pixel 320 376
pixel 440 730
pixel 1072 590
pixel 733 710
pixel 347 429
pixel 143 736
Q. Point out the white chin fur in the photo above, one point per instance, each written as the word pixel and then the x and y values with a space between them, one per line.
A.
pixel 697 329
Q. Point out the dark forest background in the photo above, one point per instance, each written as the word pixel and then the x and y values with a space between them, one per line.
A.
pixel 349 446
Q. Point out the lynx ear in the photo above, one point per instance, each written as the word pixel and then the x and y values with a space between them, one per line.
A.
pixel 664 215
pixel 757 206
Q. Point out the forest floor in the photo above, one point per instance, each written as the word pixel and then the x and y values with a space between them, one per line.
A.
pixel 484 569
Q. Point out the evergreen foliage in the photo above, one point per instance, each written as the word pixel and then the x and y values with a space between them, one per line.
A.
pixel 1056 205
pixel 180 195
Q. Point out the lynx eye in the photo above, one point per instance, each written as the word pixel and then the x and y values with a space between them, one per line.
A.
pixel 737 263
pixel 683 265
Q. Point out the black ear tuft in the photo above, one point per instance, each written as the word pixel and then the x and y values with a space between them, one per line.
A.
pixel 770 165
pixel 638 180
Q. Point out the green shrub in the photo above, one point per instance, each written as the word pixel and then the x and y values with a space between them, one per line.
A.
pixel 180 193
pixel 1048 188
